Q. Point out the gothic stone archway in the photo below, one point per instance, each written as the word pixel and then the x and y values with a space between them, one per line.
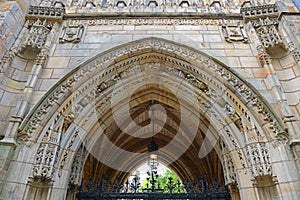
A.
pixel 242 121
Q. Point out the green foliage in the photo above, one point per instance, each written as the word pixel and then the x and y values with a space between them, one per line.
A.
pixel 162 180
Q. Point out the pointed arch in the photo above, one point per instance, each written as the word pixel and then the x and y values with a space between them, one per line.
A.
pixel 70 109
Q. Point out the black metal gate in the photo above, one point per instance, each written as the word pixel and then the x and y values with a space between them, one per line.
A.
pixel 200 189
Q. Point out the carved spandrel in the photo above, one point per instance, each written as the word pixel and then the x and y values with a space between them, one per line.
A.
pixel 71 33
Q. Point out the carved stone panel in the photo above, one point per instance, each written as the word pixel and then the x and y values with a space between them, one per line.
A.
pixel 259 158
pixel 47 155
pixel 77 166
pixel 267 30
pixel 36 35
pixel 234 33
pixel 71 33
pixel 229 170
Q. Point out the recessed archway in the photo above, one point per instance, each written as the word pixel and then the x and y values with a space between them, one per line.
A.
pixel 78 111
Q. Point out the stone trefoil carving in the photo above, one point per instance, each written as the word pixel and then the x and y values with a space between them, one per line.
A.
pixel 71 33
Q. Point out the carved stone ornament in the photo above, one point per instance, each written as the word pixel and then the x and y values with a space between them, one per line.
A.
pixel 103 61
pixel 36 35
pixel 230 175
pixel 45 12
pixel 262 11
pixel 46 158
pixel 264 20
pixel 77 166
pixel 259 158
pixel 71 33
pixel 267 30
pixel 234 33
pixel 295 52
pixel 161 21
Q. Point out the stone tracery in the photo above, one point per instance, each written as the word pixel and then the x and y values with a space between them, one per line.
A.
pixel 95 88
pixel 70 82
pixel 244 121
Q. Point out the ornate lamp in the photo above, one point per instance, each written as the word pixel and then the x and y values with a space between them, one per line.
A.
pixel 152 162
pixel 152 147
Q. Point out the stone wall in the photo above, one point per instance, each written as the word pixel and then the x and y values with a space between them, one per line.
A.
pixel 83 30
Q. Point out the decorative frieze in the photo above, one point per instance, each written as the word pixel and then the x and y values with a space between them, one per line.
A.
pixel 257 12
pixel 154 21
pixel 71 33
pixel 45 12
pixel 193 7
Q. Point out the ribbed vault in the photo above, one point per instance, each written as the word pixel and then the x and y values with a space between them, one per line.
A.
pixel 188 165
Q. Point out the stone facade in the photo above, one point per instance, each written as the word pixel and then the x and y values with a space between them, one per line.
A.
pixel 240 58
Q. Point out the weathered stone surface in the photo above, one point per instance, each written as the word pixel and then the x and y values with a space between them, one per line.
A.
pixel 234 63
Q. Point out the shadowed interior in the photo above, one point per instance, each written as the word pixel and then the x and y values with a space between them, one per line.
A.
pixel 188 165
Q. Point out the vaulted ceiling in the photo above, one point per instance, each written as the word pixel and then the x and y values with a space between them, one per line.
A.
pixel 189 164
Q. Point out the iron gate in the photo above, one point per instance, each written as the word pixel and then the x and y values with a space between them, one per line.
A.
pixel 105 189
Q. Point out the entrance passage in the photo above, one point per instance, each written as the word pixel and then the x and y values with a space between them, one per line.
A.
pixel 120 189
